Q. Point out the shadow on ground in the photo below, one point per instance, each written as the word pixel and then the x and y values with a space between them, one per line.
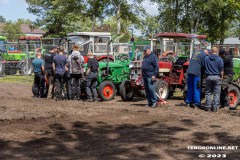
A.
pixel 82 140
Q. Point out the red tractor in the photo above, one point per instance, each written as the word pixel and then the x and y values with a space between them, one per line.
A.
pixel 172 74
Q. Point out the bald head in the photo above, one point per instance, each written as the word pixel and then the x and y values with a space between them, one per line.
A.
pixel 215 50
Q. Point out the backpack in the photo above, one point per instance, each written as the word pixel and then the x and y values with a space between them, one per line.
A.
pixel 76 64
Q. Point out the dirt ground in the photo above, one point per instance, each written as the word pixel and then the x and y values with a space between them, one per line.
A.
pixel 33 128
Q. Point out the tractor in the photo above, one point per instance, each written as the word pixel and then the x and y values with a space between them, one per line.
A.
pixel 17 56
pixel 111 74
pixel 172 74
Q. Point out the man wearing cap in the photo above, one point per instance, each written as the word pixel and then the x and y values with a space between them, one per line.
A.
pixel 149 72
pixel 195 71
pixel 38 68
pixel 49 70
pixel 213 65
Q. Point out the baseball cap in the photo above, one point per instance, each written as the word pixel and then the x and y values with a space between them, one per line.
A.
pixel 146 48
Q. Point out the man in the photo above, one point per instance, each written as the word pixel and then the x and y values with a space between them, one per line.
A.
pixel 91 79
pixel 194 71
pixel 149 72
pixel 49 70
pixel 76 69
pixel 227 57
pixel 38 68
pixel 213 65
pixel 59 68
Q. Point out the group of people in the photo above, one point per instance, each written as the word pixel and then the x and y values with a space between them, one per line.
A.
pixel 216 68
pixel 65 71
pixel 213 67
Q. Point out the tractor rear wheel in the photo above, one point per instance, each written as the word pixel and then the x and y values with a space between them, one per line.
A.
pixel 106 90
pixel 233 96
pixel 162 89
pixel 2 68
pixel 126 90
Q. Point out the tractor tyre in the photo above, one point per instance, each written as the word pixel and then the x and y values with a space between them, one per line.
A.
pixel 10 72
pixel 105 60
pixel 106 90
pixel 24 71
pixel 162 89
pixel 126 90
pixel 233 96
pixel 2 68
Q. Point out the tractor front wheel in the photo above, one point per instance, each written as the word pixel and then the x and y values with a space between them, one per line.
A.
pixel 106 90
pixel 162 89
pixel 233 96
pixel 126 90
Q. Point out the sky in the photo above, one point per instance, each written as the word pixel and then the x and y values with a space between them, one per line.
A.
pixel 16 9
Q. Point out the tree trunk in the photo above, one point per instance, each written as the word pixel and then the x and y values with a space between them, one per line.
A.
pixel 119 18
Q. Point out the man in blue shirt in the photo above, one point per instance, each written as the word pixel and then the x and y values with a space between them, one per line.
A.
pixel 38 68
pixel 213 65
pixel 194 71
pixel 59 68
pixel 150 70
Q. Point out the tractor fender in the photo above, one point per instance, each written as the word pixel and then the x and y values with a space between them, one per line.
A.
pixel 99 58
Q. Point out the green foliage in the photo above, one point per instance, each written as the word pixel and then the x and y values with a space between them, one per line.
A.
pixel 12 30
pixel 2 19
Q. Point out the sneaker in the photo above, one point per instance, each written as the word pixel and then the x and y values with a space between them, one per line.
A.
pixel 214 109
pixel 154 105
pixel 89 100
pixel 95 100
pixel 207 109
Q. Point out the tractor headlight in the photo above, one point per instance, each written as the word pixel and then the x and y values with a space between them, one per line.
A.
pixel 131 65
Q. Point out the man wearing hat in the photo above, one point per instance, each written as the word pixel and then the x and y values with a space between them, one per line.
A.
pixel 150 70
pixel 195 71
pixel 49 71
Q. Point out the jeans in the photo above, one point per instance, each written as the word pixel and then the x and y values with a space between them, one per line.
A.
pixel 213 86
pixel 39 82
pixel 50 82
pixel 59 83
pixel 194 90
pixel 74 90
pixel 91 85
pixel 150 91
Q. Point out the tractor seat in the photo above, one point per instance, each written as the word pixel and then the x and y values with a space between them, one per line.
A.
pixel 178 67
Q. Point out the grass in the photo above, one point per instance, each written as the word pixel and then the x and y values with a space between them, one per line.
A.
pixel 17 79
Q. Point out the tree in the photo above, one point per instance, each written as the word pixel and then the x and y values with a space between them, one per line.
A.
pixel 2 19
pixel 12 31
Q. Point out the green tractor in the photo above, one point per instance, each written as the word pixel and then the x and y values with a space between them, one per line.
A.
pixel 14 55
pixel 111 74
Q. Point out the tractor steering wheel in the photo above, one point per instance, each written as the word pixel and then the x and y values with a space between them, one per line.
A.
pixel 123 58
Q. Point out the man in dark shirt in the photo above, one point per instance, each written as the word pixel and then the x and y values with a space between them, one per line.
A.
pixel 91 79
pixel 49 71
pixel 38 68
pixel 150 70
pixel 59 68
pixel 227 57
pixel 213 65
pixel 194 79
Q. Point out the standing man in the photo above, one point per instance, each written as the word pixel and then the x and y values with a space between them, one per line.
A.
pixel 59 68
pixel 194 71
pixel 49 70
pixel 149 72
pixel 91 79
pixel 38 68
pixel 227 57
pixel 213 65
pixel 76 69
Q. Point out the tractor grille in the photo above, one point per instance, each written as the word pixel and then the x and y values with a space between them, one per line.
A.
pixel 135 71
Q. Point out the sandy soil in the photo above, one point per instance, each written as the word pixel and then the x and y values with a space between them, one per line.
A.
pixel 33 128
